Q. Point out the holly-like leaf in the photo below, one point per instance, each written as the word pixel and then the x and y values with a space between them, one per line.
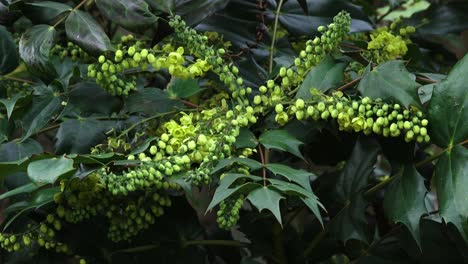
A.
pixel 151 101
pixel 79 135
pixel 182 88
pixel 328 74
pixel 404 200
pixel 300 177
pixel 10 103
pixel 390 81
pixel 350 221
pixel 86 32
pixel 266 198
pixel 197 10
pixel 451 181
pixel 223 191
pixel 129 14
pixel 49 170
pixel 8 57
pixel 448 107
pixel 43 109
pixel 252 164
pixel 27 188
pixel 45 11
pixel 282 140
pixel 34 50
pixel 293 19
pixel 246 139
pixel 162 5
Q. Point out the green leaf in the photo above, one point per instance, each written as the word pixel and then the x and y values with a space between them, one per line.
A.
pixel 8 57
pixel 293 19
pixel 451 181
pixel 404 200
pixel 223 191
pixel 307 196
pixel 15 150
pixel 390 81
pixel 197 10
pixel 182 88
pixel 350 222
pixel 28 188
pixel 45 11
pixel 10 103
pixel 300 177
pixel 166 6
pixel 328 74
pixel 246 139
pixel 89 98
pixel 266 198
pixel 143 146
pixel 43 109
pixel 448 107
pixel 86 32
pixel 252 164
pixel 79 135
pixel 282 140
pixel 129 14
pixel 151 101
pixel 49 170
pixel 34 50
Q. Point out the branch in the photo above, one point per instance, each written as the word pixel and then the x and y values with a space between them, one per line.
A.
pixel 351 83
pixel 273 41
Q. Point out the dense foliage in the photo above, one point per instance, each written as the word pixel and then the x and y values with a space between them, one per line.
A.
pixel 207 131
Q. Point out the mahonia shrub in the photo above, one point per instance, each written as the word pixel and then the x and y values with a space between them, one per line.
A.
pixel 232 132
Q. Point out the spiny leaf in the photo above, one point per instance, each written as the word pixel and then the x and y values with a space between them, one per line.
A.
pixel 390 81
pixel 34 50
pixel 328 74
pixel 266 198
pixel 404 200
pixel 86 32
pixel 252 164
pixel 129 14
pixel 8 57
pixel 451 181
pixel 300 177
pixel 448 107
pixel 282 140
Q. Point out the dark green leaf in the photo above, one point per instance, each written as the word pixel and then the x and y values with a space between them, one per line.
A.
pixel 49 170
pixel 166 6
pixel 143 146
pixel 129 14
pixel 197 10
pixel 282 140
pixel 328 74
pixel 43 109
pixel 442 19
pixel 79 135
pixel 246 139
pixel 404 200
pixel 425 92
pixel 10 103
pixel 448 108
pixel 292 15
pixel 89 98
pixel 45 11
pixel 266 198
pixel 300 177
pixel 28 188
pixel 34 50
pixel 390 81
pixel 223 191
pixel 86 32
pixel 151 101
pixel 8 57
pixel 350 222
pixel 182 88
pixel 252 164
pixel 15 150
pixel 451 181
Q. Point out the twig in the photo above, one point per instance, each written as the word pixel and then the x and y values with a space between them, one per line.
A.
pixel 351 83
pixel 275 28
pixel 262 159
